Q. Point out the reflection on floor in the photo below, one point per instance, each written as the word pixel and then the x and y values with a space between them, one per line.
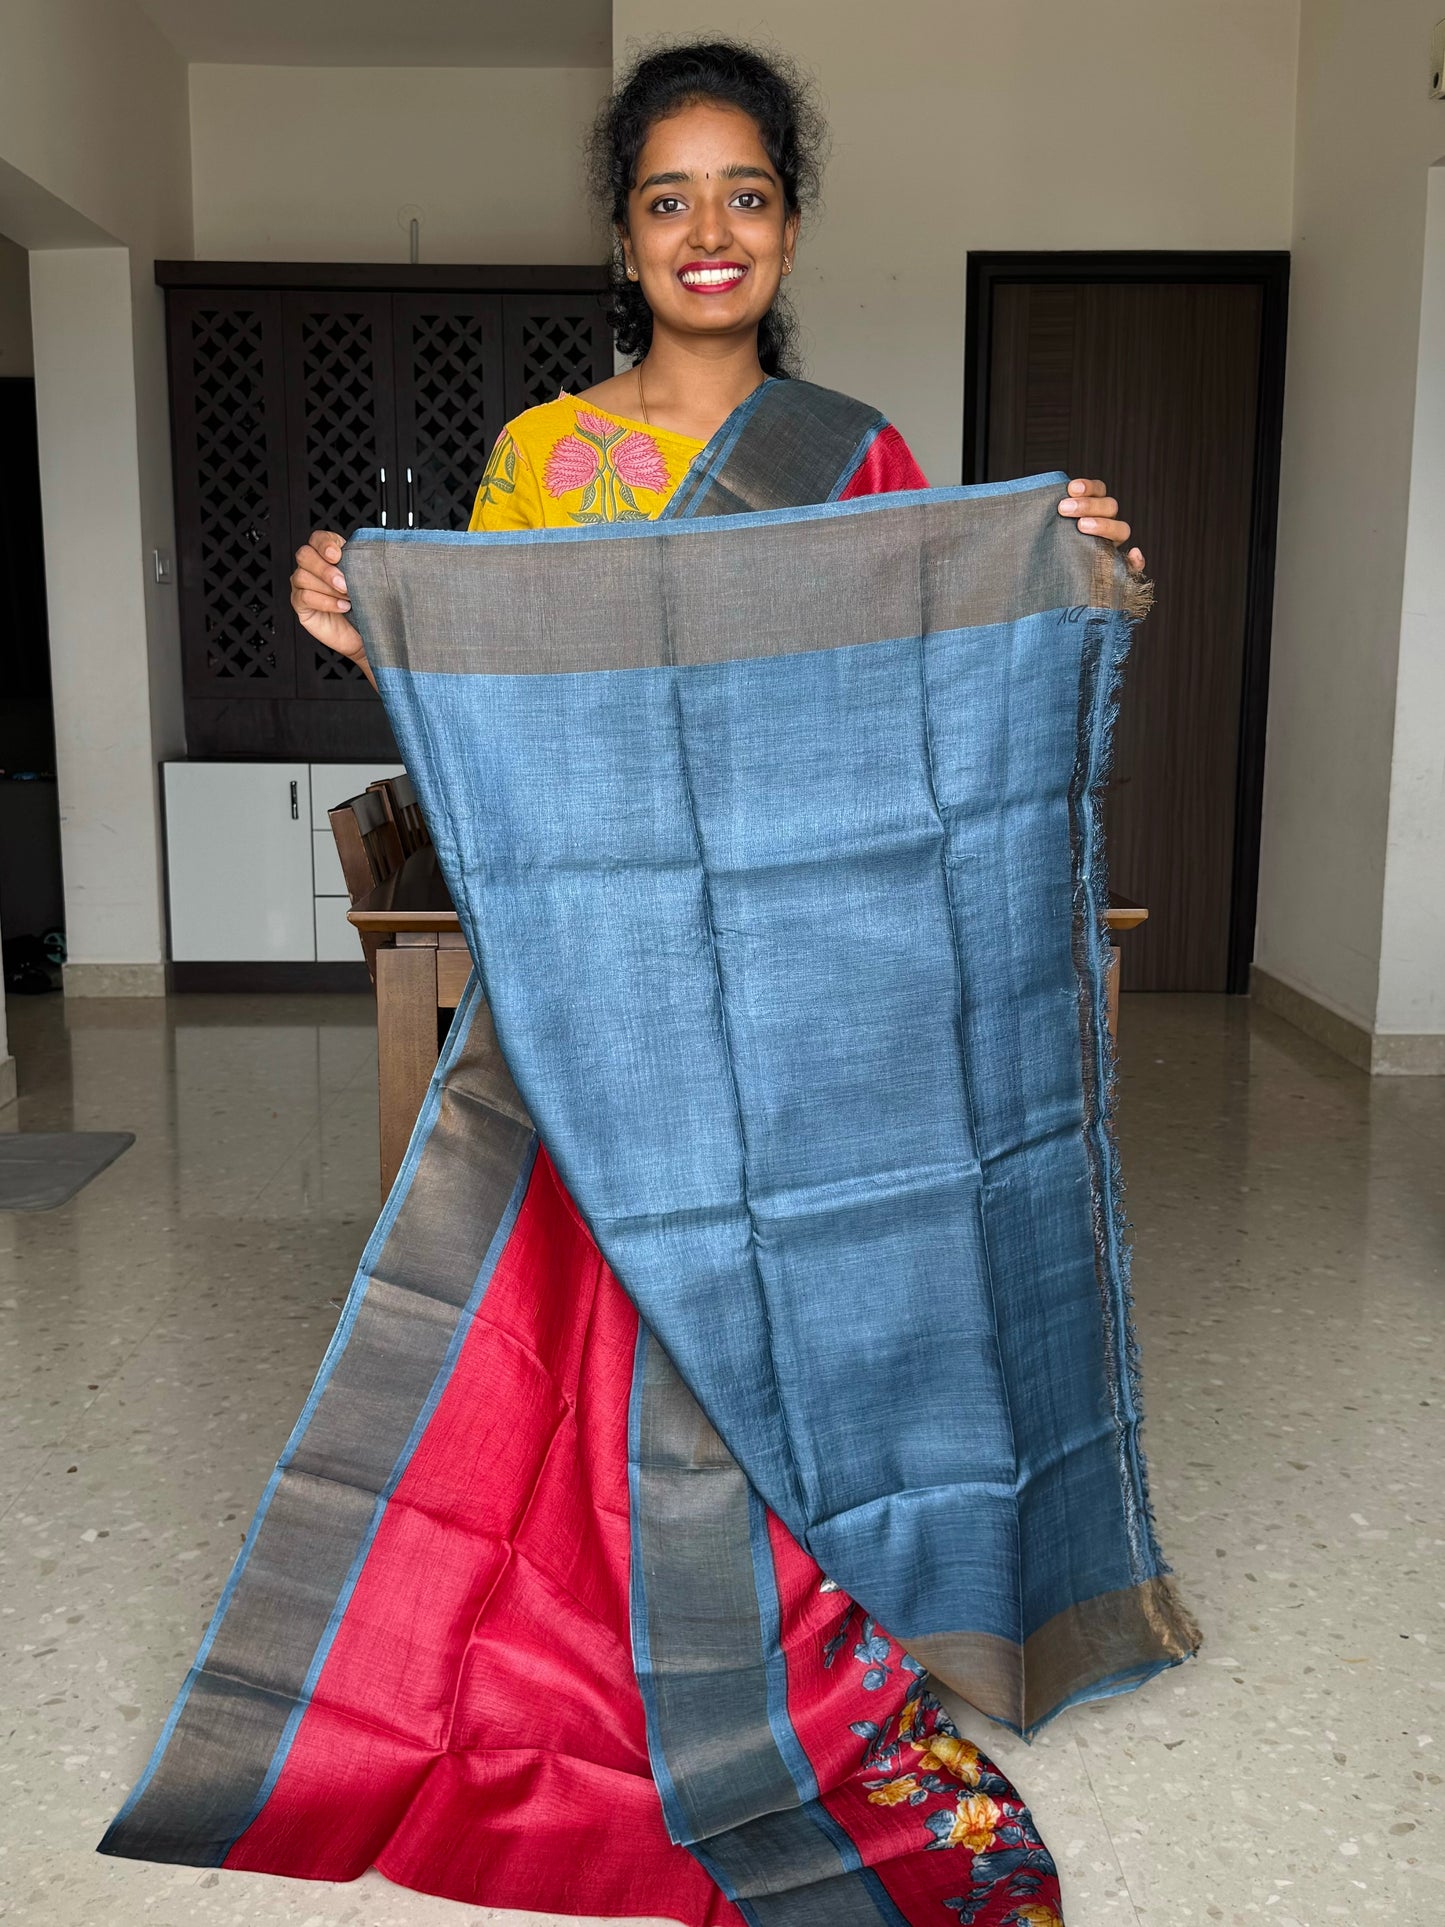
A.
pixel 160 1333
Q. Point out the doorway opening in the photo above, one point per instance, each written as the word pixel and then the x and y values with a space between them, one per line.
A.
pixel 32 904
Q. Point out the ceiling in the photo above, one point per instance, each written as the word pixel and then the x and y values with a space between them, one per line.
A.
pixel 381 33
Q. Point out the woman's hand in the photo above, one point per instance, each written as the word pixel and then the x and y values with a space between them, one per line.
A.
pixel 1097 514
pixel 318 595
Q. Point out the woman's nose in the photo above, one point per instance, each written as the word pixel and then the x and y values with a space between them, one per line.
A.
pixel 710 229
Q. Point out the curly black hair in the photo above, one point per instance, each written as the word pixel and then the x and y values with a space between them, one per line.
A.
pixel 664 79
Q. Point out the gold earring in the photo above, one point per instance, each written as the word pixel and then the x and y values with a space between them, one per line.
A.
pixel 787 267
pixel 631 272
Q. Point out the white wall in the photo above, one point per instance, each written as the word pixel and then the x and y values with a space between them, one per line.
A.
pixel 969 124
pixel 327 163
pixel 16 353
pixel 1412 937
pixel 1367 136
pixel 86 408
pixel 94 150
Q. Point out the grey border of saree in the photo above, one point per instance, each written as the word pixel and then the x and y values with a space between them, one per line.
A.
pixel 421 1279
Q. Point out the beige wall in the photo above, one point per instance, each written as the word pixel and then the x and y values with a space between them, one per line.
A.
pixel 1367 135
pixel 16 353
pixel 327 164
pixel 1412 936
pixel 964 124
pixel 94 154
pixel 87 418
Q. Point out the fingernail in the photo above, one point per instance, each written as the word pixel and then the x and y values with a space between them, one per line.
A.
pixel 1086 522
pixel 343 607
pixel 338 582
pixel 333 555
pixel 1070 507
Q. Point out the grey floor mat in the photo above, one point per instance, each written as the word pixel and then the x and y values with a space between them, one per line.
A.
pixel 40 1169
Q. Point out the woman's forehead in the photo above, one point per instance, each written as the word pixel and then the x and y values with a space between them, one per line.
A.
pixel 703 137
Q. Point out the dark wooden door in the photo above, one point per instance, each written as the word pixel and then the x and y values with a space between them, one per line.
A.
pixel 552 342
pixel 449 401
pixel 341 437
pixel 234 547
pixel 1161 386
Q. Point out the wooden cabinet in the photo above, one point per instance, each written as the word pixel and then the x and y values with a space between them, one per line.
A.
pixel 335 397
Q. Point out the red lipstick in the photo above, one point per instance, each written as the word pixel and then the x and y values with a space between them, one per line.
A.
pixel 711 277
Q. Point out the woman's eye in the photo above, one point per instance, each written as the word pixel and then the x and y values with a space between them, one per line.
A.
pixel 749 198
pixel 666 204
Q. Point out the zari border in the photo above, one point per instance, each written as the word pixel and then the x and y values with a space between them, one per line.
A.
pixel 425 1270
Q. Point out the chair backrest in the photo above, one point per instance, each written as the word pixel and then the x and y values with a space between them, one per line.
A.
pixel 399 795
pixel 366 842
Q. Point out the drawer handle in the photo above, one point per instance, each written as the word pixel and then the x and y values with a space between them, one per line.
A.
pixel 295 804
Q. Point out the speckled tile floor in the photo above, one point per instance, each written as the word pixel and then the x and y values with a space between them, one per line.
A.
pixel 160 1333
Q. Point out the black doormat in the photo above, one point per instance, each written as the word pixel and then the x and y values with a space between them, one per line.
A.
pixel 40 1169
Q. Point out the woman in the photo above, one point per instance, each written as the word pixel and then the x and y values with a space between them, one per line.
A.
pixel 496 1747
pixel 705 159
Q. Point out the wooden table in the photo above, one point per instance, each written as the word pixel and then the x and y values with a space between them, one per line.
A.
pixel 421 969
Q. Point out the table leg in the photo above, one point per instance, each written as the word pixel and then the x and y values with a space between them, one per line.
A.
pixel 406 1044
pixel 1113 992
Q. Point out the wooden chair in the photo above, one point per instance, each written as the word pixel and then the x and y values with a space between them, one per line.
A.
pixel 399 796
pixel 369 846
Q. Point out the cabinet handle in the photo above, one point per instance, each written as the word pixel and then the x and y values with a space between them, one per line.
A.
pixel 295 805
pixel 381 484
pixel 410 518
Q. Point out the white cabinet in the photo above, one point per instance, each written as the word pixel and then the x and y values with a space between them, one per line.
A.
pixel 336 939
pixel 333 783
pixel 238 859
pixel 251 866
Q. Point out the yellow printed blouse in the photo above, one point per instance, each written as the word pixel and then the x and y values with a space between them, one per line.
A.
pixel 566 464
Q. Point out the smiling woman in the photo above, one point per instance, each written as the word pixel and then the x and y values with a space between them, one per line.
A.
pixel 529 1574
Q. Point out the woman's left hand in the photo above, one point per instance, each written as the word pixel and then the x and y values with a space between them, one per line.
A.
pixel 1097 513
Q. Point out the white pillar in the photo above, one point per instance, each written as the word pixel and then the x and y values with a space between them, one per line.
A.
pixel 95 556
pixel 1410 1014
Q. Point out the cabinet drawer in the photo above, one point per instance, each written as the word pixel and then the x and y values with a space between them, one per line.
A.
pixel 326 865
pixel 336 940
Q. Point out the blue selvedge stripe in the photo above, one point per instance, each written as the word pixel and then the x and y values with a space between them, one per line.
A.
pixel 423 1418
pixel 775 1667
pixel 855 462
pixel 1145 1558
pixel 682 525
pixel 672 1810
pixel 775 1671
pixel 425 1123
pixel 887 1908
pixel 885 1903
pixel 709 463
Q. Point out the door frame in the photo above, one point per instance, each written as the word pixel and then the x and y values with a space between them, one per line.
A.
pixel 1268 269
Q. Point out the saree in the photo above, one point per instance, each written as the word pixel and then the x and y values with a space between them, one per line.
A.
pixel 774 833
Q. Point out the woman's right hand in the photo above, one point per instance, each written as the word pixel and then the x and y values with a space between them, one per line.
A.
pixel 318 595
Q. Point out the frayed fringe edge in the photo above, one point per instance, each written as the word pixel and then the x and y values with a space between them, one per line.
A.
pixel 1112 1228
pixel 1138 597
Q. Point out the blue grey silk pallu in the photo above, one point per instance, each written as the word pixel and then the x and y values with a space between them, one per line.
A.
pixel 776 840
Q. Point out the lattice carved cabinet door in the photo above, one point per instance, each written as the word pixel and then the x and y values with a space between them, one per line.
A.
pixel 232 524
pixel 552 342
pixel 341 436
pixel 449 407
